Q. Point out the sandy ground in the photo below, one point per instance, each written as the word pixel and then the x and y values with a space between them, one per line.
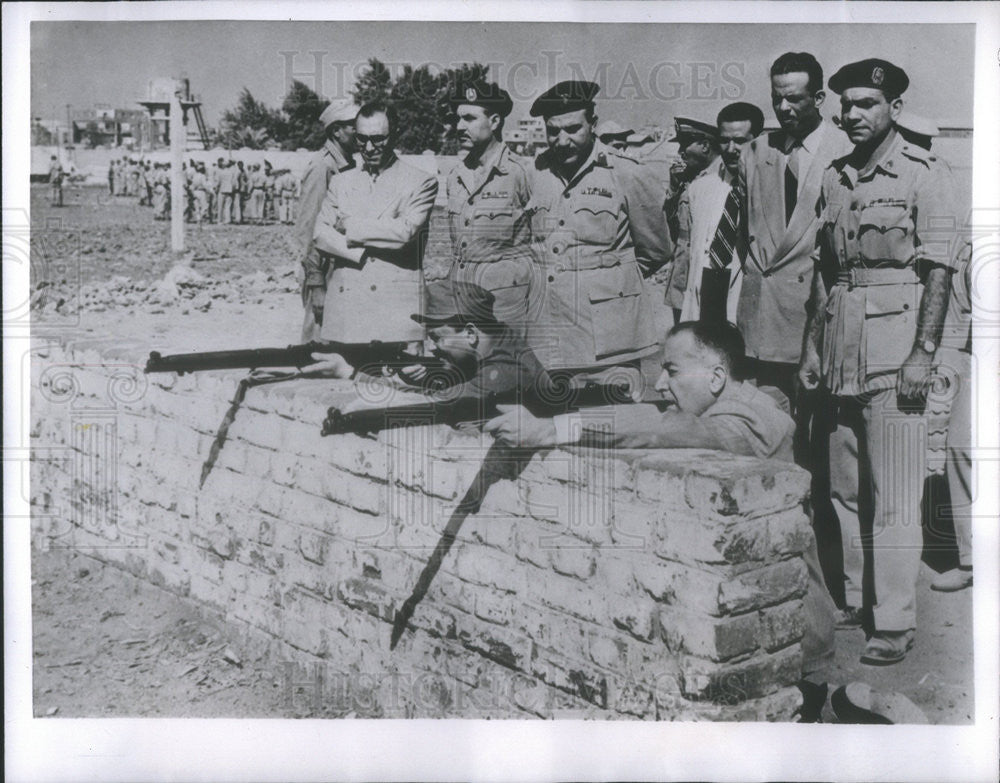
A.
pixel 107 644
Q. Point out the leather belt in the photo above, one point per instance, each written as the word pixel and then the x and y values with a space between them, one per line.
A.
pixel 860 276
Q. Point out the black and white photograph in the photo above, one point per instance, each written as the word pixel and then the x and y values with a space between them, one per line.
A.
pixel 585 391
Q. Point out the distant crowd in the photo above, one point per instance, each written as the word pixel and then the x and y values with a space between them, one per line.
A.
pixel 228 191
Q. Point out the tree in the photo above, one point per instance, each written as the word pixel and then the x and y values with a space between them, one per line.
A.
pixel 420 98
pixel 252 124
pixel 302 108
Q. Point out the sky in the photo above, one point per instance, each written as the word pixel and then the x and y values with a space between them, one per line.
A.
pixel 649 73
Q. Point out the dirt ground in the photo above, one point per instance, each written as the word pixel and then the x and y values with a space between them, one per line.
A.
pixel 108 644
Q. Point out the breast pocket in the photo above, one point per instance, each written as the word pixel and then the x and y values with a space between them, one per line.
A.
pixel 890 326
pixel 616 311
pixel 596 221
pixel 884 233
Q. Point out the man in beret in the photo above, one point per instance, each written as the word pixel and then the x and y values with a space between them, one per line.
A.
pixel 880 293
pixel 698 213
pixel 597 219
pixel 335 155
pixel 373 225
pixel 487 197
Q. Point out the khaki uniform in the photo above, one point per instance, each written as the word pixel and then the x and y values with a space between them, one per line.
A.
pixel 596 237
pixel 490 231
pixel 324 164
pixel 389 215
pixel 876 227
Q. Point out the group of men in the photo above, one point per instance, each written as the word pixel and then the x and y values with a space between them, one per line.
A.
pixel 809 288
pixel 228 191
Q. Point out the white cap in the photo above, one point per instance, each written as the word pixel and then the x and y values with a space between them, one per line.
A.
pixel 341 110
pixel 919 125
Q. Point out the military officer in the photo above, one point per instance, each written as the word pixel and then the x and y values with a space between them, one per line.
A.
pixel 599 229
pixel 373 224
pixel 487 197
pixel 880 292
pixel 336 154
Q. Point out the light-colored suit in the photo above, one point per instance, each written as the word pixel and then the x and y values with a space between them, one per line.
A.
pixel 778 270
pixel 387 215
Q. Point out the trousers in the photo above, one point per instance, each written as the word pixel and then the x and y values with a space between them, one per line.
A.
pixel 878 455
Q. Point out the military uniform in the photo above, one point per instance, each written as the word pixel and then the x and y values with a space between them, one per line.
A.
pixel 596 237
pixel 490 231
pixel 876 233
pixel 388 214
pixel 329 160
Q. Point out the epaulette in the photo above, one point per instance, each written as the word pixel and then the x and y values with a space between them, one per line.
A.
pixel 914 152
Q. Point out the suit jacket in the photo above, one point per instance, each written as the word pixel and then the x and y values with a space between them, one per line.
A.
pixel 388 216
pixel 778 269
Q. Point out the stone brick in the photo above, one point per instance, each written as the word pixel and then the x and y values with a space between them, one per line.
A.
pixel 367 596
pixel 736 682
pixel 788 533
pixel 717 639
pixel 313 547
pixel 764 587
pixel 607 651
pixel 570 557
pixel 781 625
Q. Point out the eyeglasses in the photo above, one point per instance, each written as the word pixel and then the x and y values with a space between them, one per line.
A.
pixel 376 141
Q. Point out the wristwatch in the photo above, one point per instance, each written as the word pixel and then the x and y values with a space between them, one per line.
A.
pixel 929 346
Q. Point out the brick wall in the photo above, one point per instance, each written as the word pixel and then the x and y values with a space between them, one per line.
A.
pixel 647 584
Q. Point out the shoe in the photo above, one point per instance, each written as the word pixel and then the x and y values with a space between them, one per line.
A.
pixel 858 703
pixel 813 699
pixel 848 617
pixel 952 581
pixel 885 648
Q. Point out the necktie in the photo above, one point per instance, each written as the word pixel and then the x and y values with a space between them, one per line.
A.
pixel 791 183
pixel 720 252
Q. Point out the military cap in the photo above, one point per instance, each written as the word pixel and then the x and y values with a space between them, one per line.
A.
pixel 341 110
pixel 450 302
pixel 610 129
pixel 873 73
pixel 917 124
pixel 564 97
pixel 688 130
pixel 490 96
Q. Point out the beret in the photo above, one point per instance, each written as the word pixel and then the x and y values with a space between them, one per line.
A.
pixel 446 301
pixel 564 97
pixel 872 73
pixel 490 96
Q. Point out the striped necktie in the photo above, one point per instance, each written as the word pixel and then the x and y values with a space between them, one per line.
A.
pixel 727 233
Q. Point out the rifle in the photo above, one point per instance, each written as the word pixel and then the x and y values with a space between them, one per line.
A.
pixel 371 358
pixel 545 402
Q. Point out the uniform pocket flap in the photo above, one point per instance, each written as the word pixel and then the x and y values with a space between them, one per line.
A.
pixel 601 290
pixel 890 300
pixel 883 219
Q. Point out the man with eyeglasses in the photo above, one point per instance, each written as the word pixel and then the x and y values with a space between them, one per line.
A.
pixel 373 225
